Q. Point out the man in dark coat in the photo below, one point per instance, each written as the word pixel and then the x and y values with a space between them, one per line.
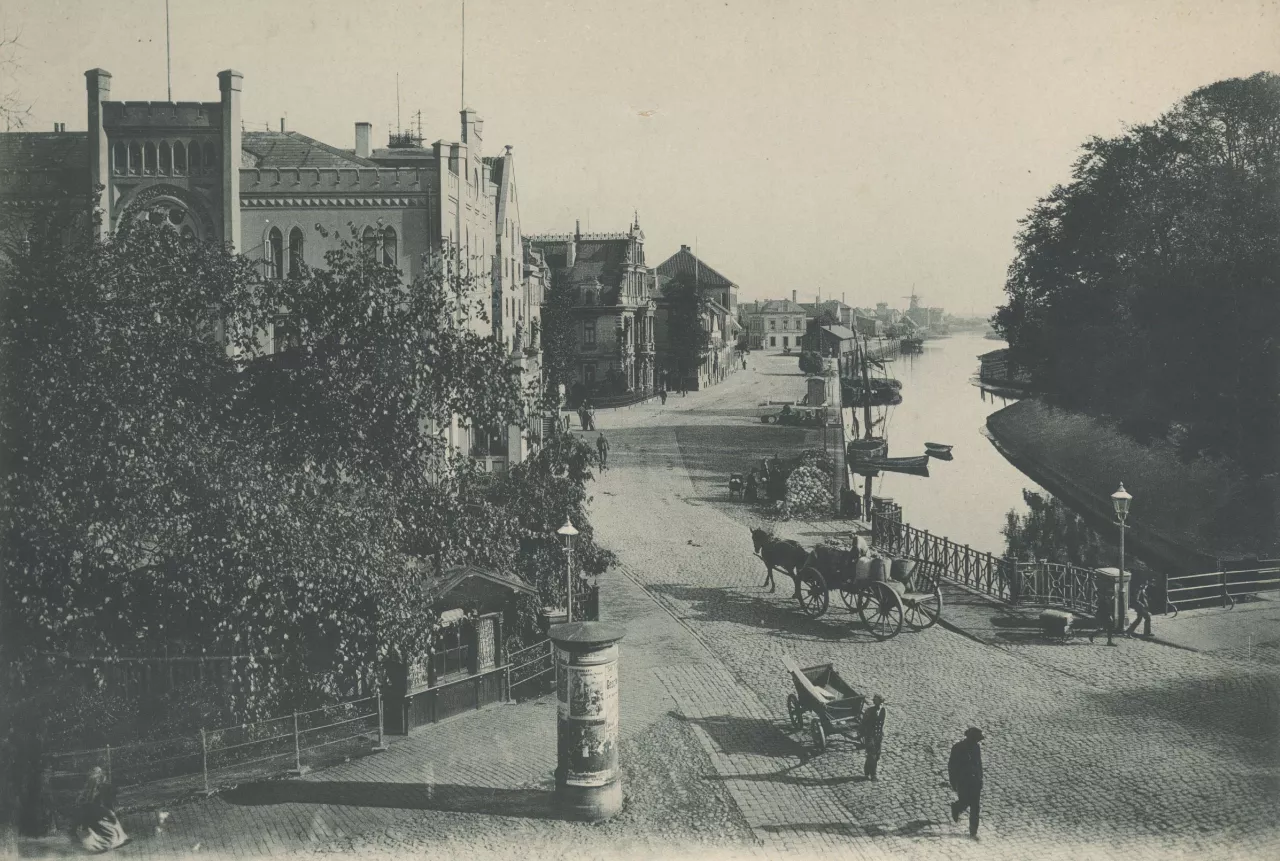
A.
pixel 872 732
pixel 965 772
pixel 1139 604
pixel 602 446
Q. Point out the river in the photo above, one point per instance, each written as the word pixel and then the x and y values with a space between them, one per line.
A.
pixel 965 499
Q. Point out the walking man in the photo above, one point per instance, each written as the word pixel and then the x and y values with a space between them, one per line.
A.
pixel 583 417
pixel 1139 604
pixel 872 731
pixel 662 393
pixel 965 772
pixel 602 446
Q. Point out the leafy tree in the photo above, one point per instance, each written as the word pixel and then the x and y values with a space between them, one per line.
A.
pixel 1146 288
pixel 559 335
pixel 810 362
pixel 687 336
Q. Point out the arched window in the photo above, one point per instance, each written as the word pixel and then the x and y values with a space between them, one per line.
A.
pixel 135 158
pixel 188 235
pixel 295 252
pixel 389 247
pixel 149 166
pixel 275 254
pixel 179 158
pixel 369 239
pixel 166 158
pixel 210 158
pixel 120 157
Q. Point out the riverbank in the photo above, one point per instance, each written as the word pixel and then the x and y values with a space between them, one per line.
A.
pixel 1185 514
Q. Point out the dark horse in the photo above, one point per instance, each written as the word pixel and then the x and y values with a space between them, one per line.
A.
pixel 781 553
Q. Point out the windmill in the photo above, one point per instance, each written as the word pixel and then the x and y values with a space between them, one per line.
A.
pixel 915 300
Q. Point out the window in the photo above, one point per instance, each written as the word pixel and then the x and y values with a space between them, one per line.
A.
pixel 149 165
pixel 489 443
pixel 389 247
pixel 120 158
pixel 295 252
pixel 786 323
pixel 773 341
pixel 452 656
pixel 773 324
pixel 369 240
pixel 210 158
pixel 166 158
pixel 589 334
pixel 786 341
pixel 287 334
pixel 179 158
pixel 135 159
pixel 589 374
pixel 275 254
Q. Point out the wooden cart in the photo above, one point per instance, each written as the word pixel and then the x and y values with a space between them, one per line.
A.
pixel 834 708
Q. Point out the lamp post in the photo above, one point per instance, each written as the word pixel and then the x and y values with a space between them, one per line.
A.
pixel 568 532
pixel 1120 501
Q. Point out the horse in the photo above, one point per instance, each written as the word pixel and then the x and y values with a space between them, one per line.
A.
pixel 783 554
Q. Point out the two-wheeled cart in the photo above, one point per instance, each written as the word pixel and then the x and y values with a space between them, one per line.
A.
pixel 832 707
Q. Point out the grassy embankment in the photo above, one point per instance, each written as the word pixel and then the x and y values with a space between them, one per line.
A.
pixel 1184 514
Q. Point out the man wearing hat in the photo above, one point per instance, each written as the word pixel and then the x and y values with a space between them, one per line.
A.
pixel 965 772
pixel 872 731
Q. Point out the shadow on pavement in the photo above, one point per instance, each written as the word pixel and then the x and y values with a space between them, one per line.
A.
pixel 790 779
pixel 754 736
pixel 713 604
pixel 1246 706
pixel 525 803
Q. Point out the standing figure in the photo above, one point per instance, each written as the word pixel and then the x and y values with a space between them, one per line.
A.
pixel 662 393
pixel 872 731
pixel 584 418
pixel 1139 604
pixel 751 493
pixel 965 771
pixel 94 824
pixel 602 446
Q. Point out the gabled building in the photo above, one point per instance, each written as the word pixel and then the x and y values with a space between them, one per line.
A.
pixel 839 311
pixel 613 307
pixel 723 325
pixel 776 324
pixel 285 198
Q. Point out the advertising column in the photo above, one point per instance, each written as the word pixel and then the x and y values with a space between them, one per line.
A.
pixel 588 780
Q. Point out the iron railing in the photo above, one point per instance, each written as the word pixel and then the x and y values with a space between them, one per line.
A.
pixel 959 563
pixel 152 772
pixel 531 669
pixel 1221 588
pixel 1052 584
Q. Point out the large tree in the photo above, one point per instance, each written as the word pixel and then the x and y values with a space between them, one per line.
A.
pixel 688 312
pixel 1148 288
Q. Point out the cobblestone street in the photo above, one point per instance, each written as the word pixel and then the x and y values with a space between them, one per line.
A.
pixel 1140 751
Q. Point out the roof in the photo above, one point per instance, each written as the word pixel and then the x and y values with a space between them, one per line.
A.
pixel 995 354
pixel 684 263
pixel 44 150
pixel 779 306
pixel 840 332
pixel 455 577
pixel 294 149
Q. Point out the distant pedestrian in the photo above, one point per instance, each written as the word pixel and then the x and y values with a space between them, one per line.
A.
pixel 602 446
pixel 1139 604
pixel 662 393
pixel 584 419
pixel 872 731
pixel 744 363
pixel 752 492
pixel 965 772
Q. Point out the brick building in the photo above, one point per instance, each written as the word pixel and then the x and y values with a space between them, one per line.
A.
pixel 285 198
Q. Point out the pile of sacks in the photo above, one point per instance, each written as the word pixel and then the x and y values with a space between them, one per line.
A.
pixel 808 493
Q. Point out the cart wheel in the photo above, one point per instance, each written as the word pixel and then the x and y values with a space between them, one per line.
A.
pixel 923 610
pixel 813 592
pixel 853 600
pixel 768 419
pixel 819 734
pixel 882 613
pixel 795 711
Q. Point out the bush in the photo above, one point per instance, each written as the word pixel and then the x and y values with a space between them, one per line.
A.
pixel 810 362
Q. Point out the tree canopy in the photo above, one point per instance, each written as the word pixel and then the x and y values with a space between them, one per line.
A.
pixel 1148 287
pixel 687 337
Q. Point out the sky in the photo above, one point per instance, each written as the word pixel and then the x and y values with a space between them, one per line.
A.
pixel 850 149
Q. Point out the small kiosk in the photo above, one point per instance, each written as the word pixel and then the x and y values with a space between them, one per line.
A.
pixel 466 669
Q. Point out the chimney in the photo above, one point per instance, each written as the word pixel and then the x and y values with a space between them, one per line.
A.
pixel 282 125
pixel 363 133
pixel 793 296
pixel 98 84
pixel 229 85
pixel 684 247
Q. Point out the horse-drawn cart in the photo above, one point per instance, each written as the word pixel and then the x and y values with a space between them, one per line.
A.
pixel 883 596
pixel 836 708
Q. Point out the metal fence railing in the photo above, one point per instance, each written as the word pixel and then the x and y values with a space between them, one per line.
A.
pixel 152 772
pixel 1221 588
pixel 531 671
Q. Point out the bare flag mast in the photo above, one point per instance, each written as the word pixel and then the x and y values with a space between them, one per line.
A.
pixel 168 54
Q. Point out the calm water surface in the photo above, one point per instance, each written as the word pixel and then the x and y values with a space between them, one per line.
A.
pixel 964 499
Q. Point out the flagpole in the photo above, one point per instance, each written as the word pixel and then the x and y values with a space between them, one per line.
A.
pixel 168 55
pixel 464 55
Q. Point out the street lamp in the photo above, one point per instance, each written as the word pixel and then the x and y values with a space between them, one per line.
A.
pixel 568 532
pixel 1120 501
